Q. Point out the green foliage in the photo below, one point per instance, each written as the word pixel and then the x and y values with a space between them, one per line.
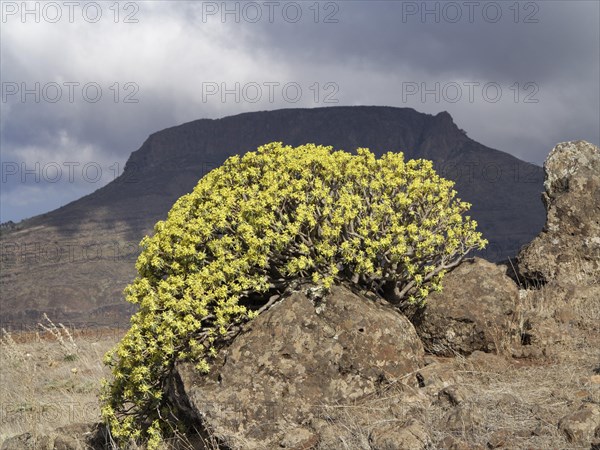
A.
pixel 254 224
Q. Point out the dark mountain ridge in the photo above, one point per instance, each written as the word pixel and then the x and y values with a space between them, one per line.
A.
pixel 74 262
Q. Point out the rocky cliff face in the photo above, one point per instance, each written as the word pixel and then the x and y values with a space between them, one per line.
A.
pixel 74 262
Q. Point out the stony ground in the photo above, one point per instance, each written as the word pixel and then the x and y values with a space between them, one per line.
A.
pixel 484 401
pixel 507 399
pixel 516 398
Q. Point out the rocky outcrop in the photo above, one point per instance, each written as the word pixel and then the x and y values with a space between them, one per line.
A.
pixel 474 311
pixel 568 249
pixel 301 356
pixel 560 269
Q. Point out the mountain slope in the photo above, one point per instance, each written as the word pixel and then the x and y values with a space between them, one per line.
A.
pixel 74 262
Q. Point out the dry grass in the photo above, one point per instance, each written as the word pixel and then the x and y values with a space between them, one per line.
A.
pixel 525 401
pixel 518 401
pixel 51 377
pixel 43 388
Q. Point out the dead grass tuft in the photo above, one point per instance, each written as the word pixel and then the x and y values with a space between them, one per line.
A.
pixel 51 379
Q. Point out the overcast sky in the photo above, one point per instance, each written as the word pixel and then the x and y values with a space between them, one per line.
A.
pixel 84 83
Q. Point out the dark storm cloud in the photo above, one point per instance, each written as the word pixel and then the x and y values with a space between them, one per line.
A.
pixel 546 52
pixel 563 36
pixel 370 51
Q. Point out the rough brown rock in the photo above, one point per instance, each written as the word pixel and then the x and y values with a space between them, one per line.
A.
pixel 299 439
pixel 568 249
pixel 499 439
pixel 561 267
pixel 574 304
pixel 581 426
pixel 301 354
pixel 488 362
pixel 453 443
pixel 453 395
pixel 392 437
pixel 463 420
pixel 327 434
pixel 436 377
pixel 473 312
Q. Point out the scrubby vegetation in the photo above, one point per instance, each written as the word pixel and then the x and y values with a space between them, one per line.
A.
pixel 253 225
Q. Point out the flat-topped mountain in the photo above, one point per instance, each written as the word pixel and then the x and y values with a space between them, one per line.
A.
pixel 74 262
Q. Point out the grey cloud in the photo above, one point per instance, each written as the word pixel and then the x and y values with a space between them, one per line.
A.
pixel 368 53
pixel 566 33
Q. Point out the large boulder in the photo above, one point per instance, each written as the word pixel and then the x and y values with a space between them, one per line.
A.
pixel 474 311
pixel 568 249
pixel 306 352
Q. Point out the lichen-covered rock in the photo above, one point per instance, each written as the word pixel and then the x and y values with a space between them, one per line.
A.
pixel 568 249
pixel 581 426
pixel 298 356
pixel 299 439
pixel 452 443
pixel 473 312
pixel 463 420
pixel 390 436
pixel 453 395
pixel 435 377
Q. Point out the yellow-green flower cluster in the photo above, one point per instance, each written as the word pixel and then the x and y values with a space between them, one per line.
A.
pixel 254 224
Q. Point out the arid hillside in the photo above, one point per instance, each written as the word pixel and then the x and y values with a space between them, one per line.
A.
pixel 74 262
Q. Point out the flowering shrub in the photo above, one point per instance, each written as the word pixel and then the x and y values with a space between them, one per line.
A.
pixel 250 227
